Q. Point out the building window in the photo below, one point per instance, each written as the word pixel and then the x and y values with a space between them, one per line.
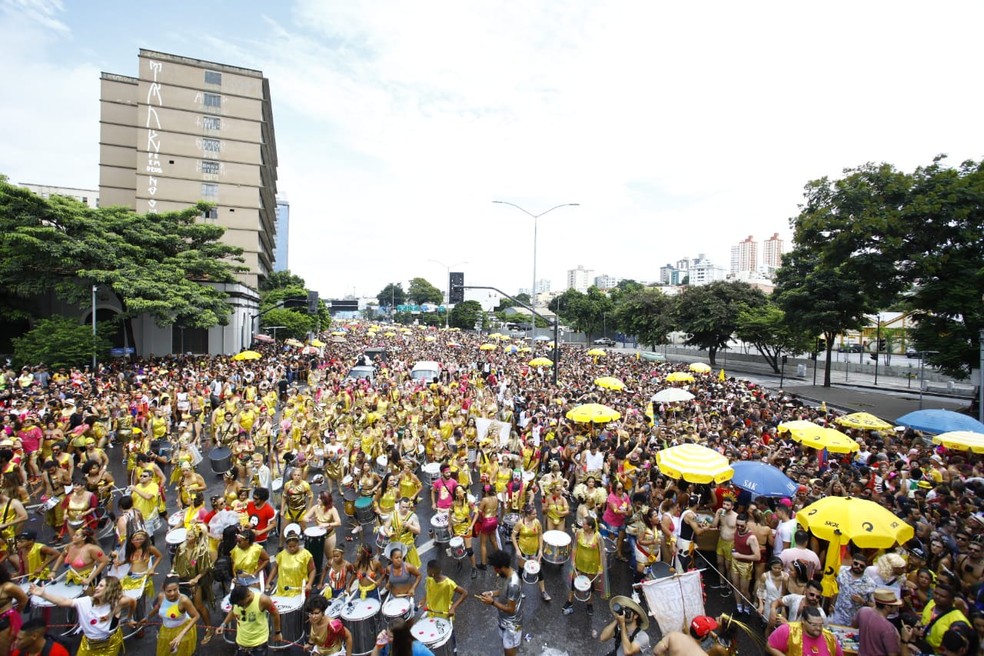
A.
pixel 212 100
pixel 211 214
pixel 213 77
pixel 210 190
pixel 210 167
pixel 212 123
pixel 211 146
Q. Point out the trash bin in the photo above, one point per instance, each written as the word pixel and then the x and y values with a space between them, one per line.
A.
pixel 801 370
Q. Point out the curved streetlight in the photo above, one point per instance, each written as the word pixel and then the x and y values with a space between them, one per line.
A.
pixel 447 310
pixel 535 217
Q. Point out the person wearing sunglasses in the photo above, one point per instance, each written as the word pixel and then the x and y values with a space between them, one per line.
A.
pixel 807 636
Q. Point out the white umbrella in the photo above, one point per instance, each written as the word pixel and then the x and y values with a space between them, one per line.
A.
pixel 672 394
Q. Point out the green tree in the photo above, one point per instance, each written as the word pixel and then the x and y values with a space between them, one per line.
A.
pixel 392 295
pixel 766 329
pixel 708 314
pixel 61 342
pixel 645 312
pixel 295 324
pixel 465 315
pixel 280 279
pixel 421 292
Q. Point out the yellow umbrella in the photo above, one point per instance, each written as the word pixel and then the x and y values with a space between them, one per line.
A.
pixel 608 382
pixel 317 343
pixel 430 338
pixel 961 441
pixel 296 342
pixel 867 524
pixel 863 421
pixel 505 338
pixel 496 336
pixel 541 362
pixel 694 463
pixel 700 368
pixel 592 413
pixel 389 333
pixel 680 377
pixel 597 352
pixel 525 349
pixel 405 331
pixel 818 437
pixel 487 347
pixel 338 333
pixel 247 355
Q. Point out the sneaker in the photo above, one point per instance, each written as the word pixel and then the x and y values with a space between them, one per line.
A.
pixel 590 610
pixel 546 597
pixel 568 608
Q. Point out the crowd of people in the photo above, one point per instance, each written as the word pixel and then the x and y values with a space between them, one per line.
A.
pixel 323 475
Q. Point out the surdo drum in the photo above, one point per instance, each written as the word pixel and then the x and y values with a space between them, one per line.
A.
pixel 556 547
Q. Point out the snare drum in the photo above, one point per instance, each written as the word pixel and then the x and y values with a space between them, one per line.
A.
pixel 361 617
pixel 277 484
pixel 531 571
pixel 509 522
pixel 291 620
pixel 556 547
pixel 398 607
pixel 50 504
pixel 382 465
pixel 335 607
pixel 176 519
pixel 432 471
pixel 314 542
pixel 456 548
pixel 348 489
pixel 582 587
pixel 435 633
pixel 174 538
pixel 382 539
pixel 363 510
pixel 442 532
pixel 60 589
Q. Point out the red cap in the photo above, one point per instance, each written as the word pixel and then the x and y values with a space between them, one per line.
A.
pixel 702 625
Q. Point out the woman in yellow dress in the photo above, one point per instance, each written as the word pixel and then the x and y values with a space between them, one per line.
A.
pixel 386 498
pixel 555 507
pixel 296 499
pixel 463 516
pixel 334 462
pixel 192 563
pixel 142 558
pixel 177 635
pixel 293 569
pixel 404 527
pixel 80 507
pixel 410 485
pixel 587 558
pixel 248 557
pixel 527 540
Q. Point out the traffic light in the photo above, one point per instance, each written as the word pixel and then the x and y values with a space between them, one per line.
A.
pixel 312 303
pixel 456 287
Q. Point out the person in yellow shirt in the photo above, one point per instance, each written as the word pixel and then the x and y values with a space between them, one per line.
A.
pixel 439 596
pixel 293 569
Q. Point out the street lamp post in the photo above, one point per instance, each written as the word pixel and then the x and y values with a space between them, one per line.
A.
pixel 535 217
pixel 447 277
pixel 94 290
pixel 922 376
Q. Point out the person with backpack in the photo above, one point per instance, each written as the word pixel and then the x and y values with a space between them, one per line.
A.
pixel 33 641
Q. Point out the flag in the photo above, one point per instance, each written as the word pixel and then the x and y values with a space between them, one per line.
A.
pixel 721 375
pixel 823 407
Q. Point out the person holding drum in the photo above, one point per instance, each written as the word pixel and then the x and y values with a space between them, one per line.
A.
pixel 326 635
pixel 296 499
pixel 337 575
pixel 402 578
pixel 293 569
pixel 98 481
pixel 588 558
pixel 410 485
pixel 147 498
pixel 79 506
pixel 487 522
pixel 334 462
pixel 190 482
pixel 177 633
pixel 85 558
pixel 254 612
pixel 324 515
pixel 192 564
pixel 368 572
pixel 98 616
pixel 463 518
pixel 142 558
pixel 439 592
pixel 387 496
pixel 555 507
pixel 442 492
pixel 248 557
pixel 54 480
pixel 34 557
pixel 404 527
pixel 527 539
pixel 507 601
pixel 397 640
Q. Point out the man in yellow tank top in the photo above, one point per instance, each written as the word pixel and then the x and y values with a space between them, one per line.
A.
pixel 254 613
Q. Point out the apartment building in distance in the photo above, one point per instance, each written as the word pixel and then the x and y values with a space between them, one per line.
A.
pixel 185 130
pixel 88 197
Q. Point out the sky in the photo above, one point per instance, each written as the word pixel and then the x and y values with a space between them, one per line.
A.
pixel 679 128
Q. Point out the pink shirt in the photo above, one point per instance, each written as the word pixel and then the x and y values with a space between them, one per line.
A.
pixel 780 640
pixel 444 491
pixel 611 517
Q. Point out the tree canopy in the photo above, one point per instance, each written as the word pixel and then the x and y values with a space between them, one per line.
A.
pixel 708 314
pixel 421 292
pixel 391 295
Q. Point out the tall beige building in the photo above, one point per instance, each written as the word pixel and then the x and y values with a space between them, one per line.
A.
pixel 772 252
pixel 186 130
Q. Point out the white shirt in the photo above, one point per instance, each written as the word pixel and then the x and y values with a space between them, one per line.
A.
pixel 784 533
pixel 95 621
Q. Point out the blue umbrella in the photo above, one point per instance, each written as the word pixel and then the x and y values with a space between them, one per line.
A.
pixel 762 480
pixel 940 421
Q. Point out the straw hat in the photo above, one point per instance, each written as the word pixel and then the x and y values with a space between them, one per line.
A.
pixel 626 602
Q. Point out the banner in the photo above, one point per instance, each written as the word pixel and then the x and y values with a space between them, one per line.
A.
pixel 674 601
pixel 486 426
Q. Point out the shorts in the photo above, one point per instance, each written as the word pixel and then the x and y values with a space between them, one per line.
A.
pixel 743 568
pixel 511 638
pixel 724 549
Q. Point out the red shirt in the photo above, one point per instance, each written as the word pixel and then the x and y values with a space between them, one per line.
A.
pixel 260 518
pixel 56 650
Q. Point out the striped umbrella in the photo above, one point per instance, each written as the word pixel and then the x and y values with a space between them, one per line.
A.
pixel 694 463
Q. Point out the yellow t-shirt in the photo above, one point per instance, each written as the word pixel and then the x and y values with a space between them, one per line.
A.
pixel 292 572
pixel 438 596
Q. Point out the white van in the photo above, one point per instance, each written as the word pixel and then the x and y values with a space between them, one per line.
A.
pixel 425 370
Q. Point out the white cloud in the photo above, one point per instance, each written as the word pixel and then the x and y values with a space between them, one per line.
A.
pixel 680 128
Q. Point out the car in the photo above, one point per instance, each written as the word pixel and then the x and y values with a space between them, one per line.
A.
pixel 362 372
pixel 912 353
pixel 605 341
pixel 426 371
pixel 850 348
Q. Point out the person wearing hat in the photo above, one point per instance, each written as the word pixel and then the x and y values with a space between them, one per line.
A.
pixel 627 629
pixel 702 630
pixel 293 568
pixel 877 636
pixel 677 643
